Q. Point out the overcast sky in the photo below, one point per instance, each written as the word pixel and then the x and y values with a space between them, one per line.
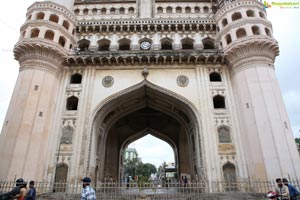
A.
pixel 286 28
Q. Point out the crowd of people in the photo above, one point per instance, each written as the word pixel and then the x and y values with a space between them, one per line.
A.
pixel 20 192
pixel 285 190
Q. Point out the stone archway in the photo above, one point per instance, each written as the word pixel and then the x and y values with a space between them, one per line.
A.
pixel 139 110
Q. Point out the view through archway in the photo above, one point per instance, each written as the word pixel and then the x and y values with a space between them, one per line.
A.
pixel 149 160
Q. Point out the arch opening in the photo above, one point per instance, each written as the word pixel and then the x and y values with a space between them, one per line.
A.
pixel 140 162
pixel 146 109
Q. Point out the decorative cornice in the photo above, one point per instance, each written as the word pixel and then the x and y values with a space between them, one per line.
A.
pixel 50 5
pixel 36 64
pixel 133 25
pixel 225 5
pixel 251 46
pixel 146 57
pixel 41 47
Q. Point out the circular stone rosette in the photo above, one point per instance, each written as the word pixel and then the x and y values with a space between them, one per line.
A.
pixel 107 81
pixel 182 81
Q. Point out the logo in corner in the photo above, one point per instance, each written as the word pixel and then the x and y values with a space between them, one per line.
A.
pixel 266 5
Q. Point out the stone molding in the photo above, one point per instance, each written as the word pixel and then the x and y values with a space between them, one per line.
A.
pixel 37 64
pixel 42 47
pixel 146 57
pixel 232 4
pixel 251 46
pixel 49 5
pixel 140 25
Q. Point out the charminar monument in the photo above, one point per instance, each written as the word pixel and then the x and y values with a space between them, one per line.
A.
pixel 96 75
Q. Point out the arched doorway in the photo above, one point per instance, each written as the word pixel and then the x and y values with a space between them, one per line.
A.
pixel 142 109
pixel 60 179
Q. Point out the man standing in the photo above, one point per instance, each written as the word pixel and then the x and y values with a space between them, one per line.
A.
pixel 32 192
pixel 88 193
pixel 293 191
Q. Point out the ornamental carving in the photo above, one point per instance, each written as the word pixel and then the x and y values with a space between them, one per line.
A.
pixel 182 81
pixel 107 81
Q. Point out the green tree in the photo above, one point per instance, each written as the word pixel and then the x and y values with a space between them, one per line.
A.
pixel 297 140
pixel 130 167
pixel 145 170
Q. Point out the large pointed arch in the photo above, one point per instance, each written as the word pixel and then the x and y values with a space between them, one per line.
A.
pixel 145 97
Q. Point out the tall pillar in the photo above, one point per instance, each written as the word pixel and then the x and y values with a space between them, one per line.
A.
pixel 25 135
pixel 267 136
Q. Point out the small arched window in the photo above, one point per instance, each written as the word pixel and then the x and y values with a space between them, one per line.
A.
pixel 224 22
pixel 166 44
pixel 169 10
pixel 131 10
pixel 262 15
pixel 62 41
pixel 94 11
pixel 67 135
pixel 35 33
pixel 187 9
pixel 208 43
pixel 103 11
pixel 219 102
pixel 72 103
pixel 159 10
pixel 122 11
pixel 197 9
pixel 40 15
pixel 178 10
pixel 255 30
pixel 215 77
pixel 112 11
pixel 76 79
pixel 228 39
pixel 268 32
pixel 236 16
pixel 124 44
pixel 85 11
pixel 224 135
pixel 54 18
pixel 250 13
pixel 83 44
pixel 66 24
pixel 76 11
pixel 205 9
pixel 187 43
pixel 29 17
pixel 104 45
pixel 241 33
pixel 49 35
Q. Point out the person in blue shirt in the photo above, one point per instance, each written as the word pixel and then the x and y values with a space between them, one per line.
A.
pixel 88 193
pixel 32 192
pixel 293 191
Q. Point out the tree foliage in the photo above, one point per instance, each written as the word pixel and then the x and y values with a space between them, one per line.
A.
pixel 135 168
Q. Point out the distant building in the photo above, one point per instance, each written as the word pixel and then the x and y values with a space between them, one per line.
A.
pixel 130 153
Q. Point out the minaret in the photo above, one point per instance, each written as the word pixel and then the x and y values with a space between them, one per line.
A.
pixel 46 38
pixel 250 51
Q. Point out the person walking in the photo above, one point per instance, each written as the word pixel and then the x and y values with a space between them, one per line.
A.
pixel 292 190
pixel 88 193
pixel 32 192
